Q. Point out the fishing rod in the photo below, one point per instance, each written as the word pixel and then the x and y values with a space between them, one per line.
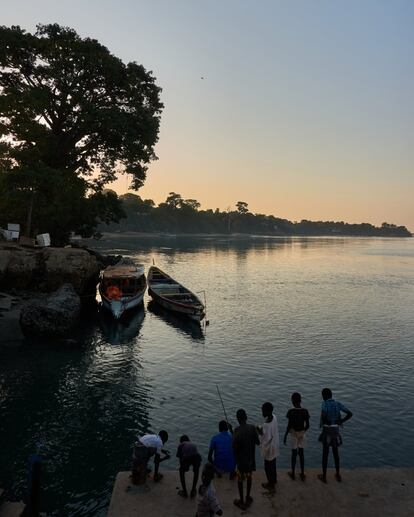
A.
pixel 222 405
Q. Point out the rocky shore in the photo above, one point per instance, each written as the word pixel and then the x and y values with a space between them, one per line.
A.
pixel 42 289
pixel 46 269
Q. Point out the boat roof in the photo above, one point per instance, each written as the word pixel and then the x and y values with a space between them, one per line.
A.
pixel 124 271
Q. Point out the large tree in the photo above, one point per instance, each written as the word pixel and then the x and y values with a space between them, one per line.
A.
pixel 72 117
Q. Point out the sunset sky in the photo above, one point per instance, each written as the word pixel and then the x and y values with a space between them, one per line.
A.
pixel 303 109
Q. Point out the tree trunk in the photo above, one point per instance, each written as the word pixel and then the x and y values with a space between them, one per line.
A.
pixel 29 215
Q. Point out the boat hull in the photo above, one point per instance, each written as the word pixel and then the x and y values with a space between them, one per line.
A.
pixel 191 312
pixel 124 304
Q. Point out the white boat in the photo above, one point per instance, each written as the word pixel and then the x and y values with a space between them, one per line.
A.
pixel 174 296
pixel 122 287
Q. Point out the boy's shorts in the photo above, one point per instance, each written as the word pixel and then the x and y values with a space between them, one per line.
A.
pixel 297 439
pixel 242 476
pixel 330 436
pixel 190 461
pixel 142 454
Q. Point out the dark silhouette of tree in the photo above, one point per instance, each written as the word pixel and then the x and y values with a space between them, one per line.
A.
pixel 178 215
pixel 72 117
pixel 242 207
pixel 174 200
pixel 193 204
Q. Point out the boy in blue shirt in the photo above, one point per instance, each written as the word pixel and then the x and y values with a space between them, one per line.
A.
pixel 221 451
pixel 331 419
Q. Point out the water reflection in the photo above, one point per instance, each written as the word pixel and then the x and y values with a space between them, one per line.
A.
pixel 119 332
pixel 241 247
pixel 182 324
pixel 85 401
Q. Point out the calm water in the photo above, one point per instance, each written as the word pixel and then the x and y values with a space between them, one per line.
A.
pixel 285 315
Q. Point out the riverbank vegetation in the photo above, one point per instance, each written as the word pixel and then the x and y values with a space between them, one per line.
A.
pixel 72 118
pixel 178 215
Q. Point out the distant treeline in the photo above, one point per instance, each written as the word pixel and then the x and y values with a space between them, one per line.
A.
pixel 178 215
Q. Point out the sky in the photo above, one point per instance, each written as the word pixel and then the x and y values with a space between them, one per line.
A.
pixel 303 109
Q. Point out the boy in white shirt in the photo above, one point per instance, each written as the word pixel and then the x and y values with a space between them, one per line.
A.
pixel 147 446
pixel 269 445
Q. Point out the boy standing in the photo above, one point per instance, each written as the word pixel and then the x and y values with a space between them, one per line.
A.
pixel 221 453
pixel 245 439
pixel 188 455
pixel 330 421
pixel 298 424
pixel 269 444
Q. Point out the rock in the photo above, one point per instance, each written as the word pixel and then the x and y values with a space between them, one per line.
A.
pixel 104 260
pixel 46 269
pixel 75 266
pixel 54 316
pixel 21 269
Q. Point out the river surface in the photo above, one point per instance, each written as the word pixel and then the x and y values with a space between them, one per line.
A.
pixel 294 314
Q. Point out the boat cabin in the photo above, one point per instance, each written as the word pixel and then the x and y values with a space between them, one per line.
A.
pixel 125 279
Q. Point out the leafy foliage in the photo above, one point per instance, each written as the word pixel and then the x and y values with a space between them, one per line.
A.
pixel 72 117
pixel 177 215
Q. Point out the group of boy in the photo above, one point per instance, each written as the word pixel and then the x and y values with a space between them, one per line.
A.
pixel 233 452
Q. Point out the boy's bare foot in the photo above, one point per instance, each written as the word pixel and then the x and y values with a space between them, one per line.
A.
pixel 193 492
pixel 291 475
pixel 302 477
pixel 182 493
pixel 268 486
pixel 338 477
pixel 249 501
pixel 158 477
pixel 239 504
pixel 322 478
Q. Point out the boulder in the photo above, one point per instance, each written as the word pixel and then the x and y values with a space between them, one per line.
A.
pixel 53 316
pixel 46 269
pixel 75 266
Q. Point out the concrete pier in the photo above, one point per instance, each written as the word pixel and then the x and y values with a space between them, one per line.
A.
pixel 362 493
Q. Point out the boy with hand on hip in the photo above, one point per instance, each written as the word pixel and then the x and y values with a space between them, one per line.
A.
pixel 331 419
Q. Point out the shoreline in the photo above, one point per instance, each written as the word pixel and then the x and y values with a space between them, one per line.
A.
pixel 231 236
pixel 363 492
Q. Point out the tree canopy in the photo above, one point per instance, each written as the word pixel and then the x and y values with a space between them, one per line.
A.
pixel 178 215
pixel 72 117
pixel 242 207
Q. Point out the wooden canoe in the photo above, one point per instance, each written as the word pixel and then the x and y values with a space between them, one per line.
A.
pixel 173 296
